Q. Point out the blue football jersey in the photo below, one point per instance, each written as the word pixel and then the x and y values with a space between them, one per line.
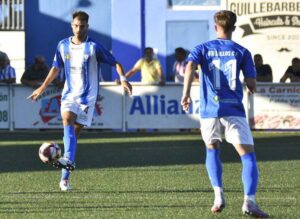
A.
pixel 221 90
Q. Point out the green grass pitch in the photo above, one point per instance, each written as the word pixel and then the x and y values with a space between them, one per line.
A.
pixel 143 175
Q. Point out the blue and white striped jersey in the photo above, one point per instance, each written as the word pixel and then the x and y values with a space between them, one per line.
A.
pixel 81 65
pixel 7 72
pixel 221 90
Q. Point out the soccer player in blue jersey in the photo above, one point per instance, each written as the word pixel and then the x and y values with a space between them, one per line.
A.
pixel 221 107
pixel 79 56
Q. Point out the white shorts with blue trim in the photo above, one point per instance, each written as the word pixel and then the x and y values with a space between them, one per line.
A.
pixel 84 113
pixel 236 130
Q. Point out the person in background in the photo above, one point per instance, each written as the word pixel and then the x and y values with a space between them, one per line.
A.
pixel 179 65
pixel 35 74
pixel 7 72
pixel 292 72
pixel 263 71
pixel 151 71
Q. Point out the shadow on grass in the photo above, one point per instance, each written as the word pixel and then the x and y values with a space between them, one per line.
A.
pixel 102 207
pixel 97 191
pixel 19 158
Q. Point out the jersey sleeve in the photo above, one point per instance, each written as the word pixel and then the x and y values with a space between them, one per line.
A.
pixel 58 61
pixel 248 67
pixel 195 55
pixel 104 56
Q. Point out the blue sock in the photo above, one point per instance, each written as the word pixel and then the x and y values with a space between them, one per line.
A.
pixel 65 175
pixel 214 167
pixel 70 142
pixel 249 173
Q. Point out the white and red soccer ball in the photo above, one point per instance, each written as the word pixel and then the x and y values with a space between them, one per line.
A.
pixel 49 152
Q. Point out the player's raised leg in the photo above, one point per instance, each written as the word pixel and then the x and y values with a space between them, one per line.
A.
pixel 71 134
pixel 70 141
pixel 69 155
pixel 70 144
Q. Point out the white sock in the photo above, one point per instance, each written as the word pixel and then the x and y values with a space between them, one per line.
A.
pixel 218 193
pixel 249 198
pixel 218 190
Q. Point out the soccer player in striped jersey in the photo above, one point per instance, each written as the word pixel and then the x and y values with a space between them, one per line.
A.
pixel 79 56
pixel 221 107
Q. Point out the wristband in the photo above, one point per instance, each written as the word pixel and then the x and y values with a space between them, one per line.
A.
pixel 123 78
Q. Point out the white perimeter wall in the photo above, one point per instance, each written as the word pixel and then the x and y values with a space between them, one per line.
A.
pixel 13 44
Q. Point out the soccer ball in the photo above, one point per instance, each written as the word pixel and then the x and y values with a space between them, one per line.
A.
pixel 49 152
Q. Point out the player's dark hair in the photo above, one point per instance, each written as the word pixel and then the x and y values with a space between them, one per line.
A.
pixel 81 15
pixel 180 50
pixel 225 19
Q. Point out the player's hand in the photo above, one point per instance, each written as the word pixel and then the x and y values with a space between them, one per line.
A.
pixel 36 93
pixel 127 87
pixel 185 103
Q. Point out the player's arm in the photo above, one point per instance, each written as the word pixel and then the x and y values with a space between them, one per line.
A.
pixel 251 84
pixel 188 79
pixel 249 72
pixel 126 85
pixel 50 77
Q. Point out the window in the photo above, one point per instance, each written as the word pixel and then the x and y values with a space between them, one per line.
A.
pixel 194 4
pixel 186 34
pixel 11 14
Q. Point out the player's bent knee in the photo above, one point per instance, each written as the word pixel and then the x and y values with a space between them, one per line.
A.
pixel 244 148
pixel 215 145
pixel 69 118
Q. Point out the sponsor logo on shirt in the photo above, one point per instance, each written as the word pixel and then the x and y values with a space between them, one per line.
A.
pixel 67 56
